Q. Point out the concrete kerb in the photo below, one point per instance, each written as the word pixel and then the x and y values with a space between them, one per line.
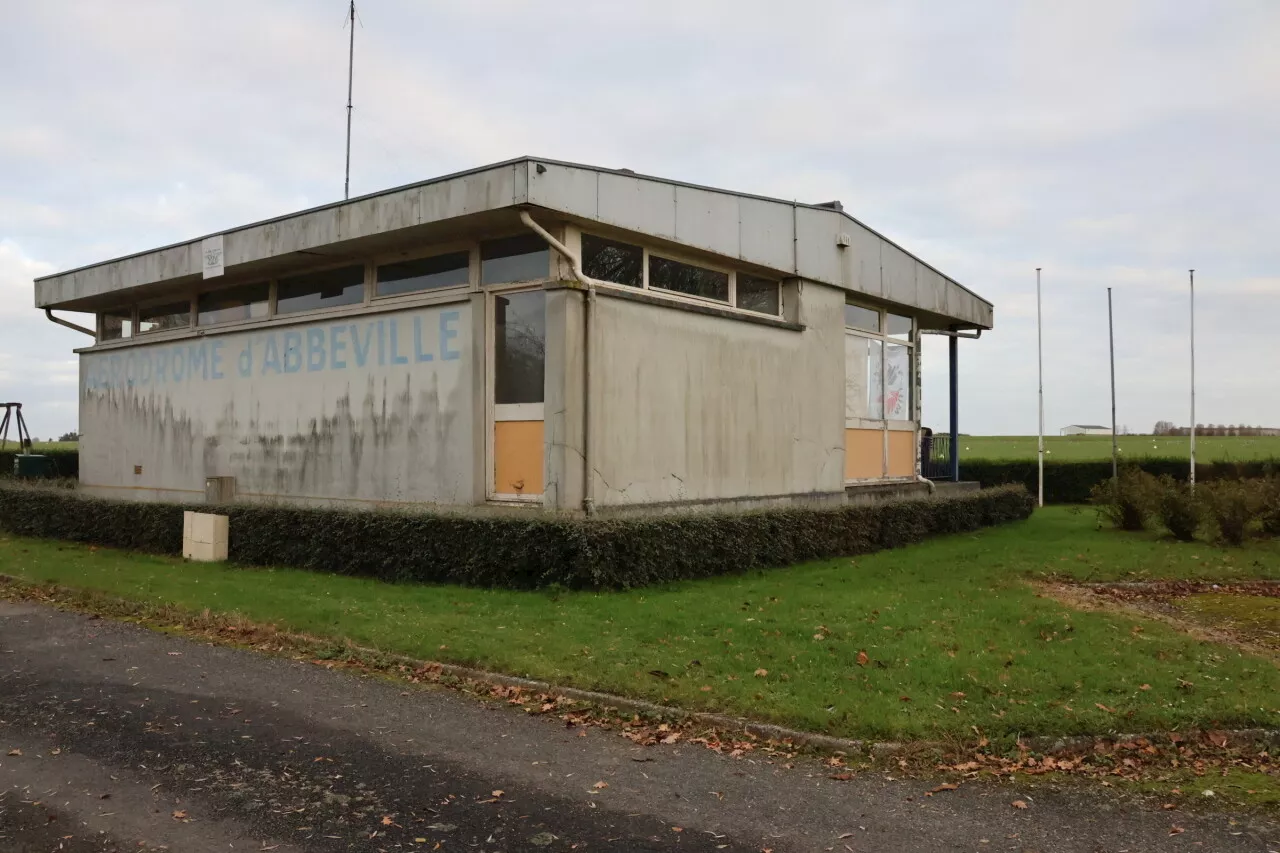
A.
pixel 1040 744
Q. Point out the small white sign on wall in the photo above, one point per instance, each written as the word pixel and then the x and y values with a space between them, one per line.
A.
pixel 211 251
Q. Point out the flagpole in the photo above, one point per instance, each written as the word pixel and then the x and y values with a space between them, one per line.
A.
pixel 1040 366
pixel 1193 378
pixel 1111 334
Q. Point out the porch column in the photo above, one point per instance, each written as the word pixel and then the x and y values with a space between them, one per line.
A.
pixel 953 348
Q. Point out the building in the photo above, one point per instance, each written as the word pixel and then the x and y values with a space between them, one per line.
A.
pixel 531 332
pixel 1085 429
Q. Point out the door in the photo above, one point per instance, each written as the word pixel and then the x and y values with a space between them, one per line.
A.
pixel 518 341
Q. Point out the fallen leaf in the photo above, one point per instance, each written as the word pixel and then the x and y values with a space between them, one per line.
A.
pixel 677 829
pixel 945 786
pixel 1104 707
pixel 1176 830
pixel 15 752
pixel 1019 804
pixel 863 660
pixel 1145 687
pixel 600 785
pixel 705 689
pixel 761 673
pixel 1167 806
pixel 497 793
pixel 841 777
pixel 904 698
pixel 386 820
pixel 957 695
pixel 179 815
pixel 419 841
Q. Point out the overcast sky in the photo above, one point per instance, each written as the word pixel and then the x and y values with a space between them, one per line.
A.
pixel 1113 143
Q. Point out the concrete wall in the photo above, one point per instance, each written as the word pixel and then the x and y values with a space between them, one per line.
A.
pixel 690 407
pixel 375 408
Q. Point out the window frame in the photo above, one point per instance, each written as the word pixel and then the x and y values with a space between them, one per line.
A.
pixel 471 247
pixel 884 423
pixel 192 305
pixel 273 302
pixel 548 273
pixel 730 304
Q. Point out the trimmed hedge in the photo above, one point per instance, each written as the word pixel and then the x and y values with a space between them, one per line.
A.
pixel 66 462
pixel 514 551
pixel 1070 482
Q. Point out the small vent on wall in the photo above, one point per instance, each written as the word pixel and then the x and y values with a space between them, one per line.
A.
pixel 219 490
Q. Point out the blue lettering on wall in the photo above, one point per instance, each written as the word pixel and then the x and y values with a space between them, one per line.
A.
pixel 419 354
pixel 336 346
pixel 271 356
pixel 292 352
pixel 315 350
pixel 396 357
pixel 361 349
pixel 447 334
pixel 320 348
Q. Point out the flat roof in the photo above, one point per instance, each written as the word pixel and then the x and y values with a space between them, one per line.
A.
pixel 811 241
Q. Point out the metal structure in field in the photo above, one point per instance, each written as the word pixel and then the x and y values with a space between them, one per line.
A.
pixel 532 333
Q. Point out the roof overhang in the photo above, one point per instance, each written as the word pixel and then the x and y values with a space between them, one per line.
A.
pixel 811 242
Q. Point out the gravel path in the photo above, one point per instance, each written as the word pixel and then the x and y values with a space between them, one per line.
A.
pixel 113 737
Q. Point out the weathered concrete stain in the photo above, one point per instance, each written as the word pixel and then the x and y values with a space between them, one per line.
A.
pixel 399 431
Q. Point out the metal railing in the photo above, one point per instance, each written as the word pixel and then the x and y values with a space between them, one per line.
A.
pixel 935 456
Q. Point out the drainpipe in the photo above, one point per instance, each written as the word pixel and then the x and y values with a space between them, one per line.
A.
pixel 48 312
pixel 575 264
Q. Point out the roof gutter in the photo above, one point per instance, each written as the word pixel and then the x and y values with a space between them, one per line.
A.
pixel 950 333
pixel 575 264
pixel 48 312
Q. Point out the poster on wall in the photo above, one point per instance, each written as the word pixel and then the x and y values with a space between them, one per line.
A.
pixel 897 374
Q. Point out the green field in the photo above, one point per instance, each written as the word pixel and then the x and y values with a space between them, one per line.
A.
pixel 1092 447
pixel 939 640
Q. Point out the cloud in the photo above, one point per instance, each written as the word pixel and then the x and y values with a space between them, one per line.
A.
pixel 1111 142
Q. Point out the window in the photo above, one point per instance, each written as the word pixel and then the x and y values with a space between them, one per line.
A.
pixel 327 289
pixel 524 258
pixel 246 302
pixel 863 368
pixel 857 317
pixel 879 367
pixel 757 294
pixel 449 270
pixel 897 382
pixel 608 260
pixel 520 346
pixel 117 325
pixel 157 318
pixel 667 274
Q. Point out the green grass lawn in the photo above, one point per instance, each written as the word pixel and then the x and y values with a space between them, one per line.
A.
pixel 1093 447
pixel 953 636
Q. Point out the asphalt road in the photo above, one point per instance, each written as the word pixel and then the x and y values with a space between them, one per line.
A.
pixel 113 737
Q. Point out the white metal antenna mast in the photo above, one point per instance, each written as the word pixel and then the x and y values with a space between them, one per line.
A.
pixel 351 62
pixel 1193 379
pixel 1040 373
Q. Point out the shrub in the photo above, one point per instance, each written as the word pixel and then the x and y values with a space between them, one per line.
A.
pixel 1269 511
pixel 1233 504
pixel 1072 481
pixel 1126 501
pixel 1179 508
pixel 519 552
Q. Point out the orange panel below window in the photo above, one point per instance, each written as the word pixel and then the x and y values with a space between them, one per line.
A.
pixel 863 454
pixel 902 454
pixel 517 457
